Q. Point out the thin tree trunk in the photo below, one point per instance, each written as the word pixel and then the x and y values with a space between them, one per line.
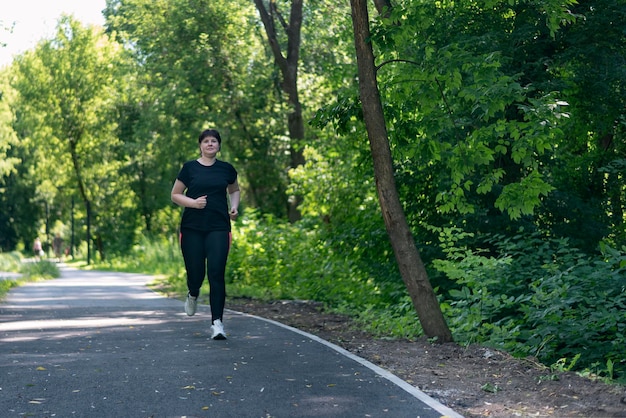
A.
pixel 288 65
pixel 409 261
pixel 383 7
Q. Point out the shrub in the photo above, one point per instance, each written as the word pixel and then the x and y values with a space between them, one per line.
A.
pixel 540 297
pixel 40 269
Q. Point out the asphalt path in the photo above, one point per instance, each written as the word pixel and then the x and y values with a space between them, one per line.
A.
pixel 9 276
pixel 101 344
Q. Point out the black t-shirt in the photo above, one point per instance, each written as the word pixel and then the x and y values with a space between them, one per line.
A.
pixel 211 181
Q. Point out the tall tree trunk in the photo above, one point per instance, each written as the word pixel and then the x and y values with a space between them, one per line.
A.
pixel 82 189
pixel 409 261
pixel 288 65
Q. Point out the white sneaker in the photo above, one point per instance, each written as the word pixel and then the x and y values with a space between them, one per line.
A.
pixel 217 330
pixel 190 305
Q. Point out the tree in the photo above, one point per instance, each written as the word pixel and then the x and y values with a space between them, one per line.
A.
pixel 14 188
pixel 287 62
pixel 461 119
pixel 409 261
pixel 66 92
pixel 589 61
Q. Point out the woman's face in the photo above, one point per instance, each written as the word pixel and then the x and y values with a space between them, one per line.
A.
pixel 209 146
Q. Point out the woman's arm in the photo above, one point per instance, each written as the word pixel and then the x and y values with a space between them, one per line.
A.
pixel 178 197
pixel 234 194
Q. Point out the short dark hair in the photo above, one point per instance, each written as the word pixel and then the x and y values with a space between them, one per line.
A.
pixel 210 132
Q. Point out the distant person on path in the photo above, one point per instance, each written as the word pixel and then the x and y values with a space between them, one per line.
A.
pixel 201 188
pixel 37 249
pixel 57 246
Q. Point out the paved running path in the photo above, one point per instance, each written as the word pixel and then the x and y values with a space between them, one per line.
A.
pixel 100 344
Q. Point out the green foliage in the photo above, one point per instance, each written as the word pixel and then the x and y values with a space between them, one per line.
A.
pixel 272 259
pixel 153 255
pixel 286 261
pixel 454 107
pixel 603 373
pixel 43 269
pixel 522 198
pixel 532 296
pixel 16 216
pixel 347 217
pixel 6 285
pixel 394 321
pixel 10 262
pixel 28 271
pixel 66 90
pixel 8 139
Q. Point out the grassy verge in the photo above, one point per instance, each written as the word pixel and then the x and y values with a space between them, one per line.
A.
pixel 28 270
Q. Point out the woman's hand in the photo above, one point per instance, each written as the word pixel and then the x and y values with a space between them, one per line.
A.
pixel 234 195
pixel 200 203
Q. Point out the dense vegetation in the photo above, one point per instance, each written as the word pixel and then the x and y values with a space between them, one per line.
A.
pixel 507 127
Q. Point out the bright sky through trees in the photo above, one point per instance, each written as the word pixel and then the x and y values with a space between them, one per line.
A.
pixel 33 20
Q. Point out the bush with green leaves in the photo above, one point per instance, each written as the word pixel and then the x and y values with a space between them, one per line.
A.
pixel 40 269
pixel 159 255
pixel 282 260
pixel 274 259
pixel 540 297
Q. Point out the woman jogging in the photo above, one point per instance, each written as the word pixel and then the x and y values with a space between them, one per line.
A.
pixel 201 188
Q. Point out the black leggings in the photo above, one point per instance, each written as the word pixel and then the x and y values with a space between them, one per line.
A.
pixel 204 251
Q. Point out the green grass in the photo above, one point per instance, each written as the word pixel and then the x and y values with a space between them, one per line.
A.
pixel 29 271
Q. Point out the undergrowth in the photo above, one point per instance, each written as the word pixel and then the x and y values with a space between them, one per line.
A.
pixel 28 271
